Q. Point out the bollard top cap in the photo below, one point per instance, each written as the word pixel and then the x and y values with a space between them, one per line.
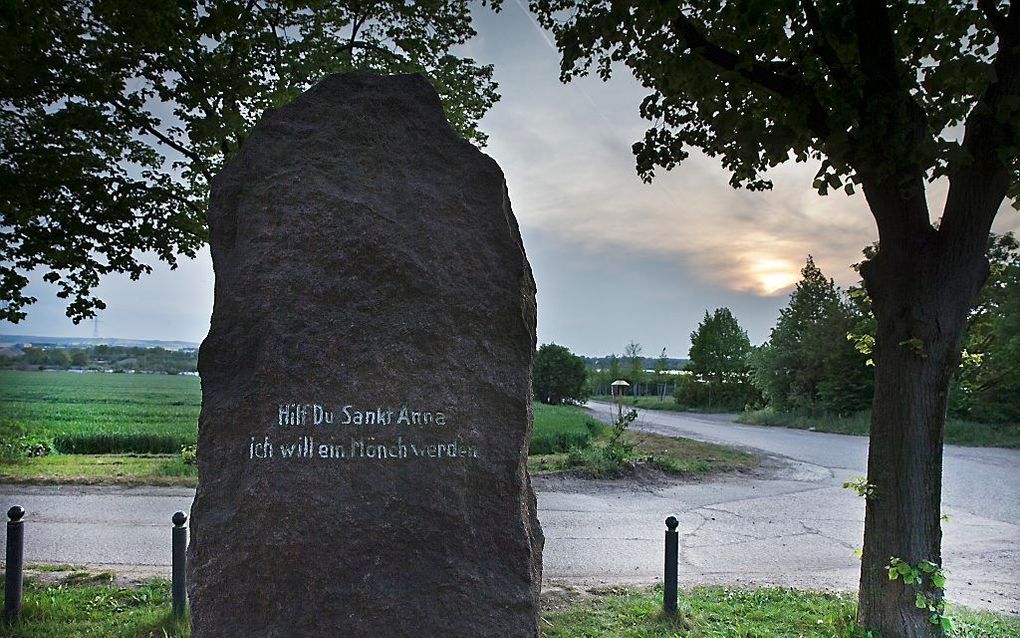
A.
pixel 16 513
pixel 179 518
pixel 672 523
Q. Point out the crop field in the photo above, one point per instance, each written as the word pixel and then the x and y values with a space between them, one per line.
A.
pixel 149 413
pixel 130 429
pixel 145 412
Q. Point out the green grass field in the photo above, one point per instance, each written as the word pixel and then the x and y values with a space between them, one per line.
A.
pixel 129 429
pixel 53 404
pixel 66 405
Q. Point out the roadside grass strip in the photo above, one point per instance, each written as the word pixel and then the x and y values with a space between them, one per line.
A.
pixel 558 428
pixel 958 432
pixel 667 403
pixel 101 469
pixel 91 605
pixel 722 612
pixel 675 455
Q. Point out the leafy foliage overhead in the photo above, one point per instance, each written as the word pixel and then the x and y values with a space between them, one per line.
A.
pixel 116 113
pixel 756 83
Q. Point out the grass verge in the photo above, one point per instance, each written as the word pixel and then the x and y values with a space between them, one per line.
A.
pixel 958 432
pixel 676 456
pixel 93 606
pixel 101 469
pixel 686 456
pixel 557 428
pixel 602 458
pixel 719 612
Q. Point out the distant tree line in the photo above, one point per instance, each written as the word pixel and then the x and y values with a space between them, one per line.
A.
pixel 560 376
pixel 818 356
pixel 646 376
pixel 817 359
pixel 104 358
pixel 647 363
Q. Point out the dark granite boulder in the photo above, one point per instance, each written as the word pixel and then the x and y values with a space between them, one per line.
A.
pixel 366 380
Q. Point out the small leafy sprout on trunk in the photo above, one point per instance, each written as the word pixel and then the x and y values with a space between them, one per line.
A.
pixel 860 485
pixel 926 577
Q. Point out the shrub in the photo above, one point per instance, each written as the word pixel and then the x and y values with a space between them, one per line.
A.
pixel 733 395
pixel 189 454
pixel 601 461
pixel 606 460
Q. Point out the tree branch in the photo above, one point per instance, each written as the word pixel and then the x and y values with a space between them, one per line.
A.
pixel 1006 26
pixel 145 125
pixel 978 185
pixel 892 174
pixel 826 53
pixel 876 49
pixel 272 23
pixel 769 76
pixel 356 23
pixel 368 46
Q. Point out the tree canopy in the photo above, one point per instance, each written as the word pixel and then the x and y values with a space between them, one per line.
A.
pixel 116 114
pixel 719 366
pixel 808 364
pixel 987 386
pixel 719 347
pixel 558 375
pixel 759 83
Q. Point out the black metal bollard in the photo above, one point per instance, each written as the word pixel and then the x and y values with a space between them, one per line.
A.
pixel 669 592
pixel 179 580
pixel 15 564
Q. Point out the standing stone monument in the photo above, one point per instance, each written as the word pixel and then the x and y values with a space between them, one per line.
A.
pixel 366 380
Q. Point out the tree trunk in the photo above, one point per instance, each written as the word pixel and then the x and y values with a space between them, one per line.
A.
pixel 921 292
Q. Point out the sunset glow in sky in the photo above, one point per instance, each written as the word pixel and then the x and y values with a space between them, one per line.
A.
pixel 615 260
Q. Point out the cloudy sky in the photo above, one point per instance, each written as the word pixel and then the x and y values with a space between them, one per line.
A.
pixel 616 260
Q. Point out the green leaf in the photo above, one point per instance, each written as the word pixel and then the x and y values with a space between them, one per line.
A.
pixel 920 600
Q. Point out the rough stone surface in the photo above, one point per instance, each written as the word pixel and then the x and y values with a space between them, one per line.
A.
pixel 367 261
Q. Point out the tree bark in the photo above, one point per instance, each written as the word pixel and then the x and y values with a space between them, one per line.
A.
pixel 921 286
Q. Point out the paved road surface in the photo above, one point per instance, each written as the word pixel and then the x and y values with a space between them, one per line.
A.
pixel 789 524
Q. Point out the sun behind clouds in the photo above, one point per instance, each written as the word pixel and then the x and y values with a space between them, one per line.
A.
pixel 769 275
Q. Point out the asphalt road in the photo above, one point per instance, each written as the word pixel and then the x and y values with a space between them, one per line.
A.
pixel 789 524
